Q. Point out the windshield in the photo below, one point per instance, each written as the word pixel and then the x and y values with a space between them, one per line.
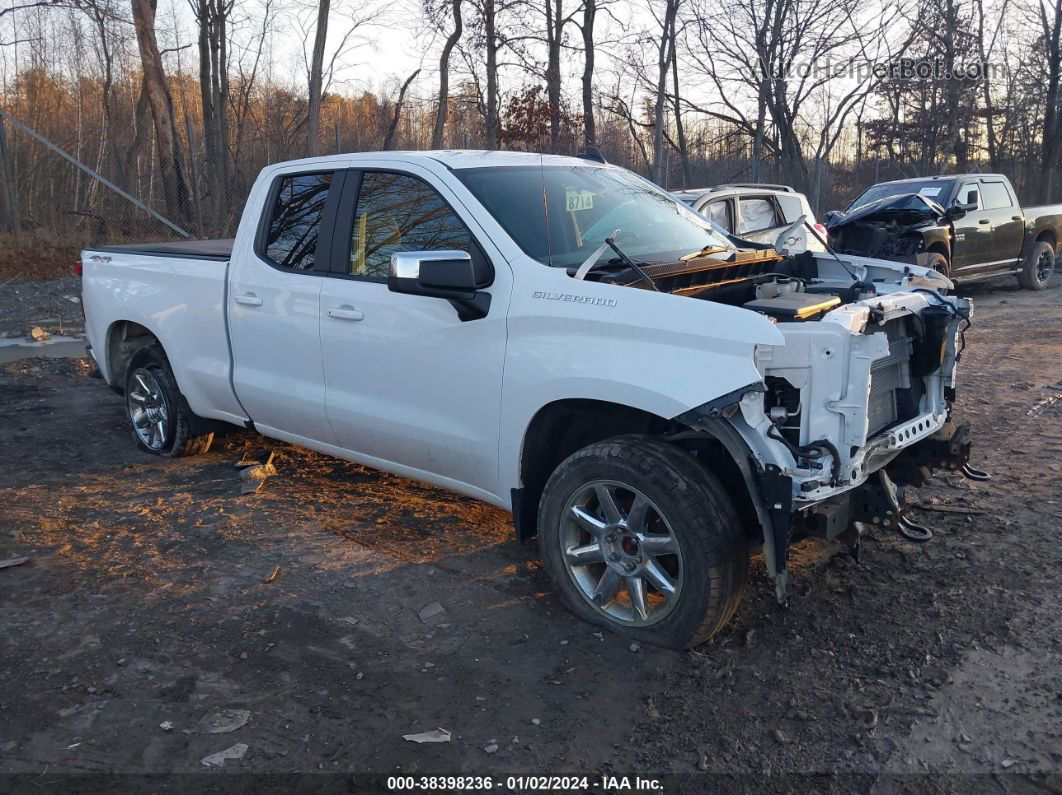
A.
pixel 933 189
pixel 583 206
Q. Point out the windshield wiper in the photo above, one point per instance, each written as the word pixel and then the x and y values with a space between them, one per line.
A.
pixel 634 266
pixel 711 248
pixel 591 262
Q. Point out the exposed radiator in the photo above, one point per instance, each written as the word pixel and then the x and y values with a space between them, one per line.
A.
pixel 888 375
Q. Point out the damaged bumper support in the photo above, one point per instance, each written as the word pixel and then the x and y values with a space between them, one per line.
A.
pixel 851 410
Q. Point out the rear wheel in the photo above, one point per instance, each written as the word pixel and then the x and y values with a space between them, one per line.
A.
pixel 1038 266
pixel 159 416
pixel 640 538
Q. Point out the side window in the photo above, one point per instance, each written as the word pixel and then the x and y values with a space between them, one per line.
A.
pixel 717 211
pixel 397 212
pixel 291 241
pixel 756 213
pixel 995 196
pixel 968 195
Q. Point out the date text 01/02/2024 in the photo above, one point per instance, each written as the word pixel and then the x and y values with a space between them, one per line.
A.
pixel 523 783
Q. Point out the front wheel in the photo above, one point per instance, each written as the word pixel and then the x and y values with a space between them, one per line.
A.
pixel 938 262
pixel 1038 266
pixel 640 538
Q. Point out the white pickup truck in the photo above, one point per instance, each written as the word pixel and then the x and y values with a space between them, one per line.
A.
pixel 562 339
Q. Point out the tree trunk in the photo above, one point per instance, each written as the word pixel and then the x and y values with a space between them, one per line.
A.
pixel 444 78
pixel 313 119
pixel 171 162
pixel 589 131
pixel 1051 147
pixel 680 129
pixel 554 34
pixel 389 139
pixel 212 17
pixel 493 122
pixel 664 54
pixel 758 136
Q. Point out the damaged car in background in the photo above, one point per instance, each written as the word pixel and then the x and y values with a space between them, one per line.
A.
pixel 967 226
pixel 564 340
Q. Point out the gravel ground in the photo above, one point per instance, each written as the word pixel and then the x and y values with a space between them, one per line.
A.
pixel 156 595
pixel 45 304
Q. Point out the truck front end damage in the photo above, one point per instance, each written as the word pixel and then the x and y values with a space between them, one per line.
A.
pixel 899 228
pixel 851 409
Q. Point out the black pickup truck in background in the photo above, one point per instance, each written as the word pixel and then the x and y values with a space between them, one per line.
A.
pixel 967 226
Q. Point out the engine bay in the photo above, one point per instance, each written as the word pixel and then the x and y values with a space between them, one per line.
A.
pixel 784 288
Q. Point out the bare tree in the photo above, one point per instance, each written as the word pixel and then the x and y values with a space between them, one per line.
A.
pixel 313 119
pixel 171 162
pixel 587 30
pixel 556 22
pixel 212 17
pixel 389 139
pixel 1051 149
pixel 665 48
pixel 444 75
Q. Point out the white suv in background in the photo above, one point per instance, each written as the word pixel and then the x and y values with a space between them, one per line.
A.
pixel 753 211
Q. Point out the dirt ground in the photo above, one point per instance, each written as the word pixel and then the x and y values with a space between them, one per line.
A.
pixel 54 306
pixel 155 593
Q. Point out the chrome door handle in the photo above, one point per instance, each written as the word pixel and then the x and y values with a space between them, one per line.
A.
pixel 1017 218
pixel 346 312
pixel 249 299
pixel 984 221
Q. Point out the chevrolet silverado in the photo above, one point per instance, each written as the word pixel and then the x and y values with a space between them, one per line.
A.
pixel 562 339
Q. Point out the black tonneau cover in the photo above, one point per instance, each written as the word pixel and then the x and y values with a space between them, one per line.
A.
pixel 189 249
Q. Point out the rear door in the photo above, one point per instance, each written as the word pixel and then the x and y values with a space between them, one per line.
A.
pixel 274 304
pixel 1008 224
pixel 759 218
pixel 720 211
pixel 411 387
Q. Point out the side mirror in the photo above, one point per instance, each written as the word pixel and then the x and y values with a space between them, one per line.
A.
pixel 957 211
pixel 831 216
pixel 447 274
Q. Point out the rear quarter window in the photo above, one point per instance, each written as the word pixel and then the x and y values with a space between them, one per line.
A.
pixel 994 196
pixel 295 220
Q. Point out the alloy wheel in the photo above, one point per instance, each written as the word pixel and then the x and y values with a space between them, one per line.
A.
pixel 1045 266
pixel 148 409
pixel 621 553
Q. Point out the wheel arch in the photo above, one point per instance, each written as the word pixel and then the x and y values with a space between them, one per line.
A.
pixel 124 339
pixel 1048 236
pixel 562 427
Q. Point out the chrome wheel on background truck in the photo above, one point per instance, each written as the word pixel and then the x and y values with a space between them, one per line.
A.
pixel 640 538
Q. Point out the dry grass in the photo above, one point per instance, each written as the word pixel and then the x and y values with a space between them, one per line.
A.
pixel 29 259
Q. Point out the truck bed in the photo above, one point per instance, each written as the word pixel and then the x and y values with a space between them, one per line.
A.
pixel 220 249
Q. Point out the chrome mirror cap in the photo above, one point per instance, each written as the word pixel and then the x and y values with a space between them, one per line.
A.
pixel 406 264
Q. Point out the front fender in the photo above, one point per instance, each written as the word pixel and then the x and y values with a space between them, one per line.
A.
pixel 660 353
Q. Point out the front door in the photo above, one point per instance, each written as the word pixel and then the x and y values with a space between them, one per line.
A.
pixel 274 308
pixel 411 387
pixel 973 232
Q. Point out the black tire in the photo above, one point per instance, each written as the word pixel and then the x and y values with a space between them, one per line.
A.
pixel 686 500
pixel 171 419
pixel 939 263
pixel 1037 267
